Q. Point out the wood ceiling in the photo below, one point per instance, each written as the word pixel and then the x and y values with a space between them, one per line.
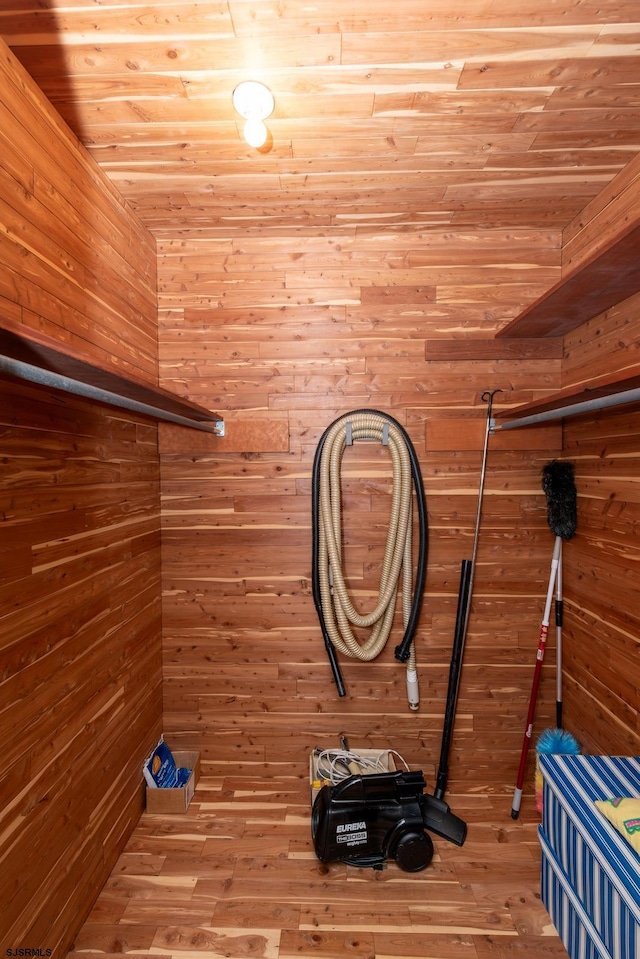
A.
pixel 390 116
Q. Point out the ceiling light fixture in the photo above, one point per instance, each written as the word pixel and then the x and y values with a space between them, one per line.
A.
pixel 254 101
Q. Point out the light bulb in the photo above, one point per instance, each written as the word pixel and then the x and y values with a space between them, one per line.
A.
pixel 254 102
pixel 253 99
pixel 255 132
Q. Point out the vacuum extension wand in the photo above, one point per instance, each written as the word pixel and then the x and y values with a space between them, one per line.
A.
pixel 462 618
pixel 454 679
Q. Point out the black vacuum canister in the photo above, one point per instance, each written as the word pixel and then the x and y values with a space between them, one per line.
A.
pixel 365 820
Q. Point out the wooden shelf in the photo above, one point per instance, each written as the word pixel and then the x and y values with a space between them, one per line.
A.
pixel 603 394
pixel 605 241
pixel 38 359
pixel 608 277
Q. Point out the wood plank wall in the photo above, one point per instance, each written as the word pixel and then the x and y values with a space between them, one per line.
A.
pixel 77 265
pixel 282 333
pixel 80 667
pixel 602 587
pixel 80 655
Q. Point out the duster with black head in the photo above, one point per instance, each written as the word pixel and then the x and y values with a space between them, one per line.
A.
pixel 560 489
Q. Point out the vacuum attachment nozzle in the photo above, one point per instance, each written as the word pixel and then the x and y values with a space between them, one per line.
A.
pixel 560 489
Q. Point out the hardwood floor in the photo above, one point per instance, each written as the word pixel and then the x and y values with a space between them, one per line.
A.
pixel 236 876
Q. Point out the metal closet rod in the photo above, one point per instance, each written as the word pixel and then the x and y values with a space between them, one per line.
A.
pixel 43 377
pixel 573 409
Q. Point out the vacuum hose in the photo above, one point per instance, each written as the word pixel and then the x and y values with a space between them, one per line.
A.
pixel 336 611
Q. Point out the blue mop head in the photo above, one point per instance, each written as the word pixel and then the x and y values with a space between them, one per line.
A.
pixel 558 741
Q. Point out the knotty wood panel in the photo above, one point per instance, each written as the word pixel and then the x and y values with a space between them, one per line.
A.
pixel 387 119
pixel 612 214
pixel 237 875
pixel 252 315
pixel 603 626
pixel 599 261
pixel 610 277
pixel 80 652
pixel 246 677
pixel 258 434
pixel 80 668
pixel 78 267
pixel 467 434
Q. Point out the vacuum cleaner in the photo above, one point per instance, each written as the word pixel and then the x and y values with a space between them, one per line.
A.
pixel 368 819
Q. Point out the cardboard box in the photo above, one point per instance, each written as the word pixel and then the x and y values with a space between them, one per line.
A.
pixel 162 801
pixel 385 757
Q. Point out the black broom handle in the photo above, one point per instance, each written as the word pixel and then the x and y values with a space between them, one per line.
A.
pixel 454 679
pixel 462 618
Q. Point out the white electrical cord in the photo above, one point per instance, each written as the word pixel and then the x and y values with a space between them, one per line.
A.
pixel 334 765
pixel 339 612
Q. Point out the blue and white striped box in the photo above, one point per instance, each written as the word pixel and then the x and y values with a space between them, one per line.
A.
pixel 590 873
pixel 580 937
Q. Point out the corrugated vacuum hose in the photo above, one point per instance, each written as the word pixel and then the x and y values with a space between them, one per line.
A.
pixel 336 610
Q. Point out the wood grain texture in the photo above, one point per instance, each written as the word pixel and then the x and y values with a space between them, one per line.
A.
pixel 245 668
pixel 80 666
pixel 237 875
pixel 610 277
pixel 387 119
pixel 258 434
pixel 600 252
pixel 423 172
pixel 78 267
pixel 80 653
pixel 466 434
pixel 603 646
pixel 37 355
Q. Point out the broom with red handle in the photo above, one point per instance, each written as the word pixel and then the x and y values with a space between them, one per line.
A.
pixel 559 487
